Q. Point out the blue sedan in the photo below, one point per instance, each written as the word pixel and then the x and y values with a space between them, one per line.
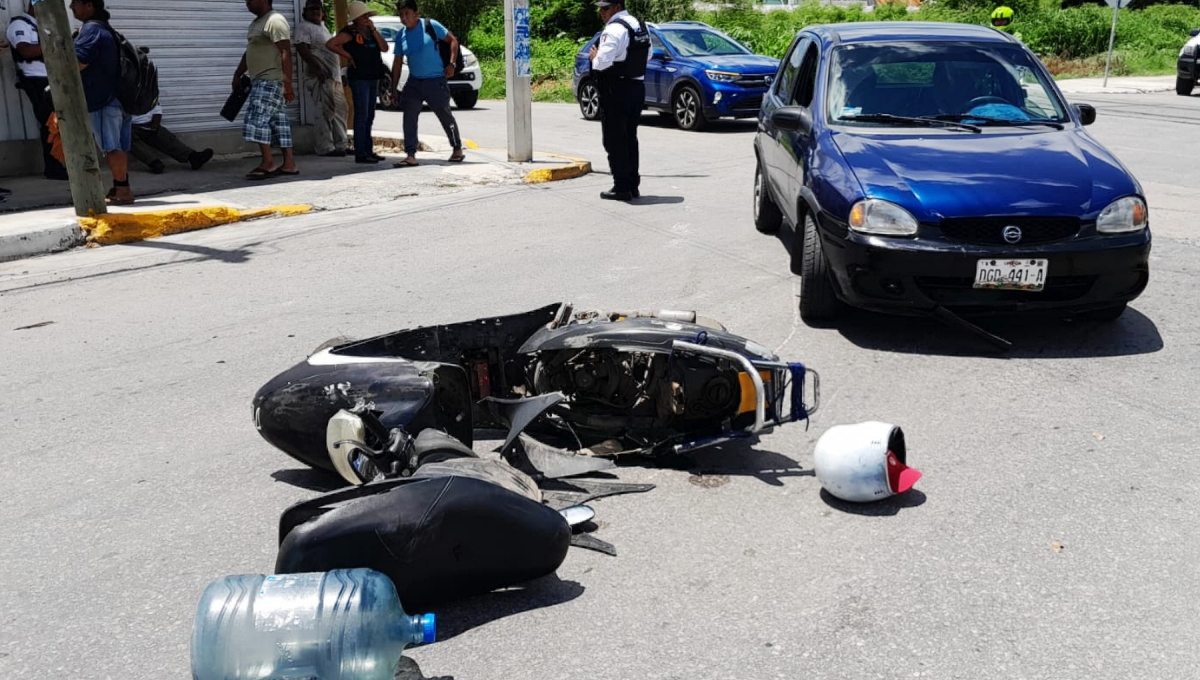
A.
pixel 696 74
pixel 932 168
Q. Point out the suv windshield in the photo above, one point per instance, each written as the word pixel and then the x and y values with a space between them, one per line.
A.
pixel 978 83
pixel 697 42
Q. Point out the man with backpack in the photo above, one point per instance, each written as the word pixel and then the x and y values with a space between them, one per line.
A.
pixel 427 74
pixel 100 66
pixel 22 37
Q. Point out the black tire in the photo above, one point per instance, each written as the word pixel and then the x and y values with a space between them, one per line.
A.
pixel 1104 314
pixel 589 100
pixel 818 302
pixel 688 109
pixel 389 99
pixel 1183 86
pixel 467 99
pixel 767 216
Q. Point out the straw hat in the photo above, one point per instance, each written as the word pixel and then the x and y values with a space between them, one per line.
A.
pixel 357 9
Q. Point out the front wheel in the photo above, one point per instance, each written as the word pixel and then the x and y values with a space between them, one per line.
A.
pixel 688 109
pixel 818 302
pixel 466 99
pixel 1183 86
pixel 767 216
pixel 389 99
pixel 589 100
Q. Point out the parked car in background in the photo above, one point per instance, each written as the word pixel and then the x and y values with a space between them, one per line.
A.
pixel 696 74
pixel 1188 66
pixel 464 87
pixel 932 167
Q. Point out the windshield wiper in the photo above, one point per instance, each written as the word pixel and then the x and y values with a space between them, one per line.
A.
pixel 998 121
pixel 907 120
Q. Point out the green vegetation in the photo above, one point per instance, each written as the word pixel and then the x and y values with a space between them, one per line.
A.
pixel 1072 42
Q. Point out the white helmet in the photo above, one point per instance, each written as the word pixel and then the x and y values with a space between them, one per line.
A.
pixel 863 462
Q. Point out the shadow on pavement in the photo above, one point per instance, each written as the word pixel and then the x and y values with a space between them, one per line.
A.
pixel 1034 336
pixel 719 126
pixel 712 466
pixel 656 200
pixel 310 479
pixel 238 256
pixel 885 508
pixel 409 670
pixel 458 617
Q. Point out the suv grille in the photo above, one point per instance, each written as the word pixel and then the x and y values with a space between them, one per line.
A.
pixel 990 230
pixel 753 81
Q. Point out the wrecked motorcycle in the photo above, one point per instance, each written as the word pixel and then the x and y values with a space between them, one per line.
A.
pixel 566 385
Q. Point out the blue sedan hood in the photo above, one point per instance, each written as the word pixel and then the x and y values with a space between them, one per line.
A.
pixel 935 174
pixel 742 63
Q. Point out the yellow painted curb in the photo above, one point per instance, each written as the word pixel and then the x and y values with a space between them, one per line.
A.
pixel 577 169
pixel 126 227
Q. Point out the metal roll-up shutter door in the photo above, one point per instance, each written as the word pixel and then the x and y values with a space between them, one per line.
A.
pixel 196 47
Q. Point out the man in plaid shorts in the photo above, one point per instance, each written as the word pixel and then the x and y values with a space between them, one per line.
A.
pixel 268 61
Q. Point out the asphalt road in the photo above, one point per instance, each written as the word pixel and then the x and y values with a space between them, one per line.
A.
pixel 1053 535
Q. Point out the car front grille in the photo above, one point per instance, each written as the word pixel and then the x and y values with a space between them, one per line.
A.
pixel 990 230
pixel 753 81
pixel 961 291
pixel 748 104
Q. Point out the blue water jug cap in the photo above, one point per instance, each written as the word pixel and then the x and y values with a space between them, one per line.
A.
pixel 428 628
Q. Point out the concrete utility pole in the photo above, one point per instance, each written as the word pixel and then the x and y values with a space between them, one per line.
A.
pixel 79 146
pixel 519 99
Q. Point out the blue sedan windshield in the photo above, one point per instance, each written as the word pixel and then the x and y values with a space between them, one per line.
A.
pixel 976 83
pixel 697 42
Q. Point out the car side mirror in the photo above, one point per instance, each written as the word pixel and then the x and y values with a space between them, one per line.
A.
pixel 661 55
pixel 1194 32
pixel 792 119
pixel 1087 113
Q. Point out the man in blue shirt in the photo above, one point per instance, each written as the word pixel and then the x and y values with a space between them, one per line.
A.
pixel 427 75
pixel 100 70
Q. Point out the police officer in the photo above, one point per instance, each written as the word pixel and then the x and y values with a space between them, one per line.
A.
pixel 22 36
pixel 619 64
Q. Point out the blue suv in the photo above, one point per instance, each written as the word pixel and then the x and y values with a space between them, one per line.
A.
pixel 696 74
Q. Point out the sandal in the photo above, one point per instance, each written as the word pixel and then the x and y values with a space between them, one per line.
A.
pixel 280 171
pixel 406 163
pixel 259 173
pixel 457 157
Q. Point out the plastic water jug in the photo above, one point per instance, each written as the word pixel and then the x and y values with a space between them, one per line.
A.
pixel 345 624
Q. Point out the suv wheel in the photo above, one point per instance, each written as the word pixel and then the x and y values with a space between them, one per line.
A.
pixel 466 99
pixel 818 302
pixel 767 216
pixel 389 99
pixel 1183 86
pixel 688 109
pixel 589 100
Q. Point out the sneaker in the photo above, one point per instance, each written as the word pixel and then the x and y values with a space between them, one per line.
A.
pixel 378 157
pixel 198 158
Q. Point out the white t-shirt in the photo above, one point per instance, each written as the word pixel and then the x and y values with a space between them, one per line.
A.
pixel 315 36
pixel 614 42
pixel 20 32
pixel 142 120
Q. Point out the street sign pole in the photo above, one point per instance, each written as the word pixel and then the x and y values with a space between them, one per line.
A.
pixel 1112 35
pixel 519 98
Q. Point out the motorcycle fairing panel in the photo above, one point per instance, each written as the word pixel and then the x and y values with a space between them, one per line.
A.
pixel 631 381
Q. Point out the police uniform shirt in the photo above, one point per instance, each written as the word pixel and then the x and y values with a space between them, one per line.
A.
pixel 20 33
pixel 614 42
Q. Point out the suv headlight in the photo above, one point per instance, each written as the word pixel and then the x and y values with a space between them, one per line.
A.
pixel 722 76
pixel 1188 51
pixel 470 60
pixel 1123 216
pixel 873 216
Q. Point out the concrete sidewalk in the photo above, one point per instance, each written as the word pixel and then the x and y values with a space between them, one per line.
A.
pixel 38 217
pixel 1117 85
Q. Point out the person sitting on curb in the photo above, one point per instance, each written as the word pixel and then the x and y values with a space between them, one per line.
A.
pixel 149 135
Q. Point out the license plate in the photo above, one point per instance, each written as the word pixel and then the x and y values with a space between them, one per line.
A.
pixel 1011 274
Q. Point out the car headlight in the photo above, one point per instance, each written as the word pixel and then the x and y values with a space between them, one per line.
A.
pixel 1188 51
pixel 470 59
pixel 722 76
pixel 873 216
pixel 1123 216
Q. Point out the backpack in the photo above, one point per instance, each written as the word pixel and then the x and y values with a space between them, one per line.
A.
pixel 137 86
pixel 444 49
